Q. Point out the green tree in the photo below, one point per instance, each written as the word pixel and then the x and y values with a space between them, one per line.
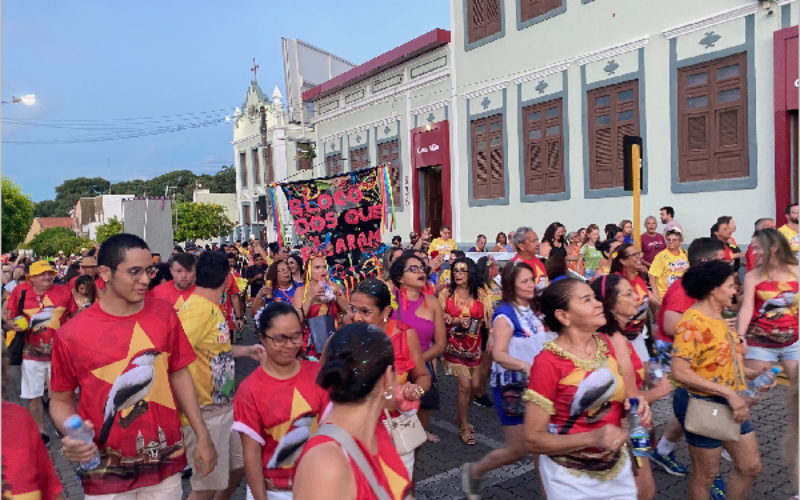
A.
pixel 181 184
pixel 225 180
pixel 50 241
pixel 136 187
pixel 17 214
pixel 201 221
pixel 110 228
pixel 46 208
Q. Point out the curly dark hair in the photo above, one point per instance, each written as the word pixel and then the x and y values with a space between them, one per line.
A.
pixel 699 281
pixel 398 267
pixel 473 281
pixel 550 234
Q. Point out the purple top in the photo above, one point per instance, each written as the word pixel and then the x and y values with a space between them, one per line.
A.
pixel 424 327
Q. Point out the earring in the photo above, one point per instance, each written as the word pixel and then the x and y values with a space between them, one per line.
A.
pixel 389 394
pixel 385 320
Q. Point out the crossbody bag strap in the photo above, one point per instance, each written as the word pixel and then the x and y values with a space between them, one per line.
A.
pixel 21 303
pixel 349 445
pixel 737 364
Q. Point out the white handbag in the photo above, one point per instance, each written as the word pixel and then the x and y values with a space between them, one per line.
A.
pixel 407 432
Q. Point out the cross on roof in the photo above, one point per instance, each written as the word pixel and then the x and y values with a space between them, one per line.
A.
pixel 254 69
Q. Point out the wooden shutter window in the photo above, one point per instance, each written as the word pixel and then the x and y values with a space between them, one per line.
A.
pixel 488 168
pixel 712 120
pixel 256 168
pixel 243 167
pixel 544 148
pixel 303 163
pixel 389 152
pixel 334 165
pixel 246 214
pixel 359 158
pixel 531 9
pixel 613 114
pixel 484 19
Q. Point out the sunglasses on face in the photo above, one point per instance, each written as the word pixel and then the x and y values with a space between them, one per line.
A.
pixel 460 270
pixel 417 269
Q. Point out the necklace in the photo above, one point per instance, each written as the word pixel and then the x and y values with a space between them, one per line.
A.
pixel 463 304
pixel 587 351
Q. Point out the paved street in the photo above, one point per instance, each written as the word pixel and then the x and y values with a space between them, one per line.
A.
pixel 439 464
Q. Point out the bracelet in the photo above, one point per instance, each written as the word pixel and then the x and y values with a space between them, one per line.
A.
pixel 420 391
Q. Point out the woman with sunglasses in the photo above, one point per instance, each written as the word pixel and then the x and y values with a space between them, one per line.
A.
pixel 278 287
pixel 517 338
pixel 371 303
pixel 620 302
pixel 319 297
pixel 466 308
pixel 277 408
pixel 423 314
pixel 627 264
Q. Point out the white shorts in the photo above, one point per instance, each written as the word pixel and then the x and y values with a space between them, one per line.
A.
pixel 408 461
pixel 34 375
pixel 168 489
pixel 218 420
pixel 560 482
pixel 272 495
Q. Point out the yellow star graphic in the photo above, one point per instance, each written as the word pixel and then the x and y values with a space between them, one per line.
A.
pixel 55 321
pixel 179 303
pixel 161 391
pixel 397 483
pixel 299 407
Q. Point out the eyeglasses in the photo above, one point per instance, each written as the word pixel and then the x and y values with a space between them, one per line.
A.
pixel 417 269
pixel 284 270
pixel 461 270
pixel 137 272
pixel 281 340
pixel 634 254
pixel 363 310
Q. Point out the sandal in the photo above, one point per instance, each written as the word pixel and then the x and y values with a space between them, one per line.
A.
pixel 468 426
pixel 466 437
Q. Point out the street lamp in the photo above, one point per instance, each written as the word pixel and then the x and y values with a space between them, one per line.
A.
pixel 29 99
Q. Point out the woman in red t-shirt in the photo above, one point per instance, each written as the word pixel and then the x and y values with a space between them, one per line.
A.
pixel 319 297
pixel 278 407
pixel 576 400
pixel 360 378
pixel 371 302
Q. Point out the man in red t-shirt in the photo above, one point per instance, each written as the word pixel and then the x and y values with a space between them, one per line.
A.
pixel 652 242
pixel 46 307
pixel 182 285
pixel 673 305
pixel 88 267
pixel 526 241
pixel 130 358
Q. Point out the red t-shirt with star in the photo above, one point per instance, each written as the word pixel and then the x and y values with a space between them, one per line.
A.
pixel 674 300
pixel 45 313
pixel 386 465
pixel 539 271
pixel 167 291
pixel 231 290
pixel 122 366
pixel 28 472
pixel 280 415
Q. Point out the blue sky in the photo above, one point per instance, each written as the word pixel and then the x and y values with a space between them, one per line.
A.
pixel 99 60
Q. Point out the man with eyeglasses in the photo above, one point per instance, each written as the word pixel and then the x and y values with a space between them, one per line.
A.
pixel 129 356
pixel 214 377
pixel 182 285
pixel 41 307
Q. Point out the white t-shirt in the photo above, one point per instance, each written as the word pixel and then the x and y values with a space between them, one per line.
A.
pixel 10 286
pixel 523 348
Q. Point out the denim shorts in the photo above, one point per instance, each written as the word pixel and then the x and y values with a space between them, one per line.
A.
pixel 589 273
pixel 497 395
pixel 680 402
pixel 773 354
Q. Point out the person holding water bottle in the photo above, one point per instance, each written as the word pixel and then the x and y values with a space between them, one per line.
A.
pixel 707 364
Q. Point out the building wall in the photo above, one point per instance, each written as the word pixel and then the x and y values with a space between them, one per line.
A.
pixel 576 50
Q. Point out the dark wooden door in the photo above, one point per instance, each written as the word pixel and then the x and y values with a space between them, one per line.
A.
pixel 793 119
pixel 433 198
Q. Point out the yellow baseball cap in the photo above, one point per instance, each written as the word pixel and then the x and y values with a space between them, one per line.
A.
pixel 40 267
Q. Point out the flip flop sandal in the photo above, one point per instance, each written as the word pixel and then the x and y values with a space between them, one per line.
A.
pixel 467 437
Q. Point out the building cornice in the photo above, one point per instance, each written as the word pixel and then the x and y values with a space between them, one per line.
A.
pixel 707 22
pixel 601 55
pixel 784 2
pixel 430 107
pixel 542 72
pixel 246 138
pixel 485 90
pixel 423 81
pixel 354 130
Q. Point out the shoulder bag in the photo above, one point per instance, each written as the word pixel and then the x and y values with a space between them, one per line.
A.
pixel 349 445
pixel 407 432
pixel 712 419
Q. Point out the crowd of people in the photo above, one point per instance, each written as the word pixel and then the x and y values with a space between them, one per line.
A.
pixel 567 340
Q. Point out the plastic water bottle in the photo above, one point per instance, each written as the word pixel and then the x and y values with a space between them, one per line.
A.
pixel 766 378
pixel 640 438
pixel 656 371
pixel 77 429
